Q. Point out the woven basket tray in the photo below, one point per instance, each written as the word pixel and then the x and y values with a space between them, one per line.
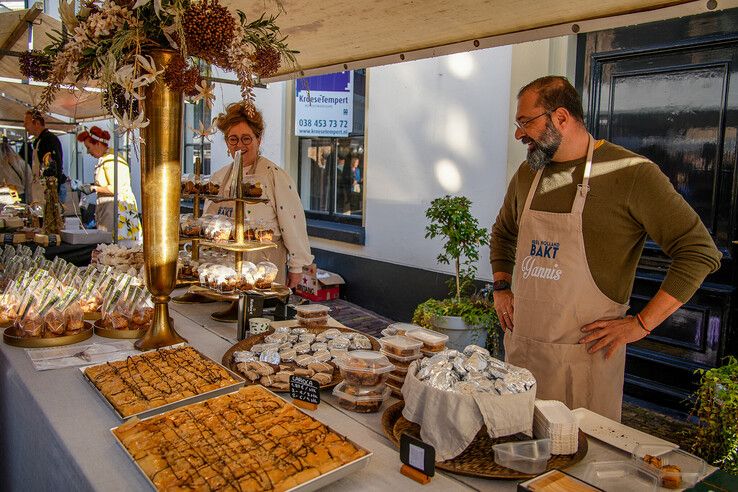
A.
pixel 255 339
pixel 478 459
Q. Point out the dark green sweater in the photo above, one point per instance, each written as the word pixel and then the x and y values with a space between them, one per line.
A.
pixel 629 198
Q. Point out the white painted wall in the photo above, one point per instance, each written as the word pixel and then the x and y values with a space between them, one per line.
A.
pixel 434 127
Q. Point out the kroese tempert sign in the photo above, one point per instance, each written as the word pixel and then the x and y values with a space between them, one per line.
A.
pixel 324 105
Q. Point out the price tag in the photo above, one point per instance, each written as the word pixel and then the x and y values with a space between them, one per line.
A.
pixel 418 455
pixel 8 238
pixel 305 390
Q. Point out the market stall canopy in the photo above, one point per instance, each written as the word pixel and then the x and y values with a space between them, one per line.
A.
pixel 12 113
pixel 14 36
pixel 346 34
pixel 71 103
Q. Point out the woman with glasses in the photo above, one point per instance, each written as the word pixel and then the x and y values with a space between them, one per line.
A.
pixel 282 214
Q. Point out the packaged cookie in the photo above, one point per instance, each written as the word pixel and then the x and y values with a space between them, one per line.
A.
pixel 399 329
pixel 401 346
pixel 432 340
pixel 312 310
pixel 266 272
pixel 364 367
pixel 399 361
pixel 312 322
pixel 322 355
pixel 361 399
pixel 304 360
pixel 360 342
pixel 302 348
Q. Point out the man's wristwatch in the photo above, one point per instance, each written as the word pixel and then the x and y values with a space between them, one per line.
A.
pixel 500 285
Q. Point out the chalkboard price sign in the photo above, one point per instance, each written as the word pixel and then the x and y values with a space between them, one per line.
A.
pixel 305 389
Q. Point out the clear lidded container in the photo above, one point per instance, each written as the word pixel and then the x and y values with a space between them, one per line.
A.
pixel 524 456
pixel 399 361
pixel 401 346
pixel 399 329
pixel 621 476
pixel 676 468
pixel 364 367
pixel 361 399
pixel 432 340
pixel 312 322
pixel 312 310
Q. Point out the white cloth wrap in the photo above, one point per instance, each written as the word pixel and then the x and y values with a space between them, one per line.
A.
pixel 449 421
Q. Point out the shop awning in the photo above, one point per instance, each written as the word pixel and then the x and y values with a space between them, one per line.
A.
pixel 70 103
pixel 13 112
pixel 346 34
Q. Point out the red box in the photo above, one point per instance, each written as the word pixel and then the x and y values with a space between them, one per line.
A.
pixel 318 285
pixel 321 295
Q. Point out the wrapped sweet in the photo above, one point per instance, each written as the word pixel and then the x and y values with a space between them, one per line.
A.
pixel 189 226
pixel 266 272
pixel 247 278
pixel 54 322
pixel 74 318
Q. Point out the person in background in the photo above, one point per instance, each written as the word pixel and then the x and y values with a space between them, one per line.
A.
pixel 569 237
pixel 12 167
pixel 46 148
pixel 356 182
pixel 129 224
pixel 283 214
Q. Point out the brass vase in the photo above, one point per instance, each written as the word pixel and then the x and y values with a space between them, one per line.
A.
pixel 160 187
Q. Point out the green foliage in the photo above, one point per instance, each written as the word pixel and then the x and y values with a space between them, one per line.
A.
pixel 451 219
pixel 473 310
pixel 717 409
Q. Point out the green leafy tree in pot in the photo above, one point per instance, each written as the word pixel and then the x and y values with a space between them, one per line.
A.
pixel 451 219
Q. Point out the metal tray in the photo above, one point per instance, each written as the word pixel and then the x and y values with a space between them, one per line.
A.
pixel 309 486
pixel 176 404
pixel 123 334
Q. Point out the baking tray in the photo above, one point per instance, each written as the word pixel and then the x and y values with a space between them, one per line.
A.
pixel 316 483
pixel 38 342
pixel 176 404
pixel 614 433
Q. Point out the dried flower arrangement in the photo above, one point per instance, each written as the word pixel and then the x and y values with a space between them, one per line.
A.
pixel 109 42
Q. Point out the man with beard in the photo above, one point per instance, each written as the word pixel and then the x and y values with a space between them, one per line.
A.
pixel 569 237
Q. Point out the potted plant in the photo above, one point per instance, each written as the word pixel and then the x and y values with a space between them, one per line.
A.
pixel 716 407
pixel 465 318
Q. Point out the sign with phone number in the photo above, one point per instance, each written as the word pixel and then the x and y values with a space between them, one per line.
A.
pixel 324 105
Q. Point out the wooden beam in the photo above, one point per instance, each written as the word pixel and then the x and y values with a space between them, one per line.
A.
pixel 22 26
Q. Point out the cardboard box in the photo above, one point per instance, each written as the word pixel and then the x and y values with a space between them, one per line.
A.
pixel 89 236
pixel 319 285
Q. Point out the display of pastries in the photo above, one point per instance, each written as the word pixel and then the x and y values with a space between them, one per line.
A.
pixel 156 378
pixel 247 440
pixel 671 475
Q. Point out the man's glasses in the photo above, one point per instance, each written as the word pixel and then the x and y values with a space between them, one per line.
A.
pixel 522 124
pixel 245 139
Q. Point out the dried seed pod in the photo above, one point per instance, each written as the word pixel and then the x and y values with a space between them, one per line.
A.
pixel 35 64
pixel 208 28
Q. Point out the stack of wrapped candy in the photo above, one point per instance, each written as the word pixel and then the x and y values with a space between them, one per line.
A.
pixel 363 389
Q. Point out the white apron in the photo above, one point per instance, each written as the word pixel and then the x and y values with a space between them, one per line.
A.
pixel 555 295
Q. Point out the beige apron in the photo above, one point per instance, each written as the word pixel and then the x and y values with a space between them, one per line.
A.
pixel 36 189
pixel 555 295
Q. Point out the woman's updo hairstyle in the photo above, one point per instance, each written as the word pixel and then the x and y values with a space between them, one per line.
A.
pixel 95 135
pixel 239 112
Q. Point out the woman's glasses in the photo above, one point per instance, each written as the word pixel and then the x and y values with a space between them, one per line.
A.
pixel 244 139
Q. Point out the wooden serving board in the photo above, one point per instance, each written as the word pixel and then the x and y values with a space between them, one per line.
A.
pixel 478 459
pixel 249 342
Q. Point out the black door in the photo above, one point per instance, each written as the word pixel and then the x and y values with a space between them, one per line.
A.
pixel 669 91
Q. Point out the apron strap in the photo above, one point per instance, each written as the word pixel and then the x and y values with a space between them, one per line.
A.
pixel 532 191
pixel 581 195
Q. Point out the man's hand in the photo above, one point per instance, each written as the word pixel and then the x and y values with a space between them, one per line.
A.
pixel 504 306
pixel 293 279
pixel 612 334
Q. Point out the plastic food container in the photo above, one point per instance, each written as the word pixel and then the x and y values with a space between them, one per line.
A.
pixel 361 399
pixel 676 469
pixel 400 361
pixel 395 386
pixel 399 372
pixel 398 329
pixel 432 340
pixel 401 346
pixel 312 311
pixel 365 368
pixel 525 456
pixel 312 322
pixel 621 476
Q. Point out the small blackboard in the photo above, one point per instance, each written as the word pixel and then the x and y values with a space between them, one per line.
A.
pixel 305 389
pixel 417 454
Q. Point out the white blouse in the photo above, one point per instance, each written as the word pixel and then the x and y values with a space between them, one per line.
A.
pixel 283 214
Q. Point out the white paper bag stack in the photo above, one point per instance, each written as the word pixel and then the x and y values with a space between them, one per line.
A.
pixel 552 419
